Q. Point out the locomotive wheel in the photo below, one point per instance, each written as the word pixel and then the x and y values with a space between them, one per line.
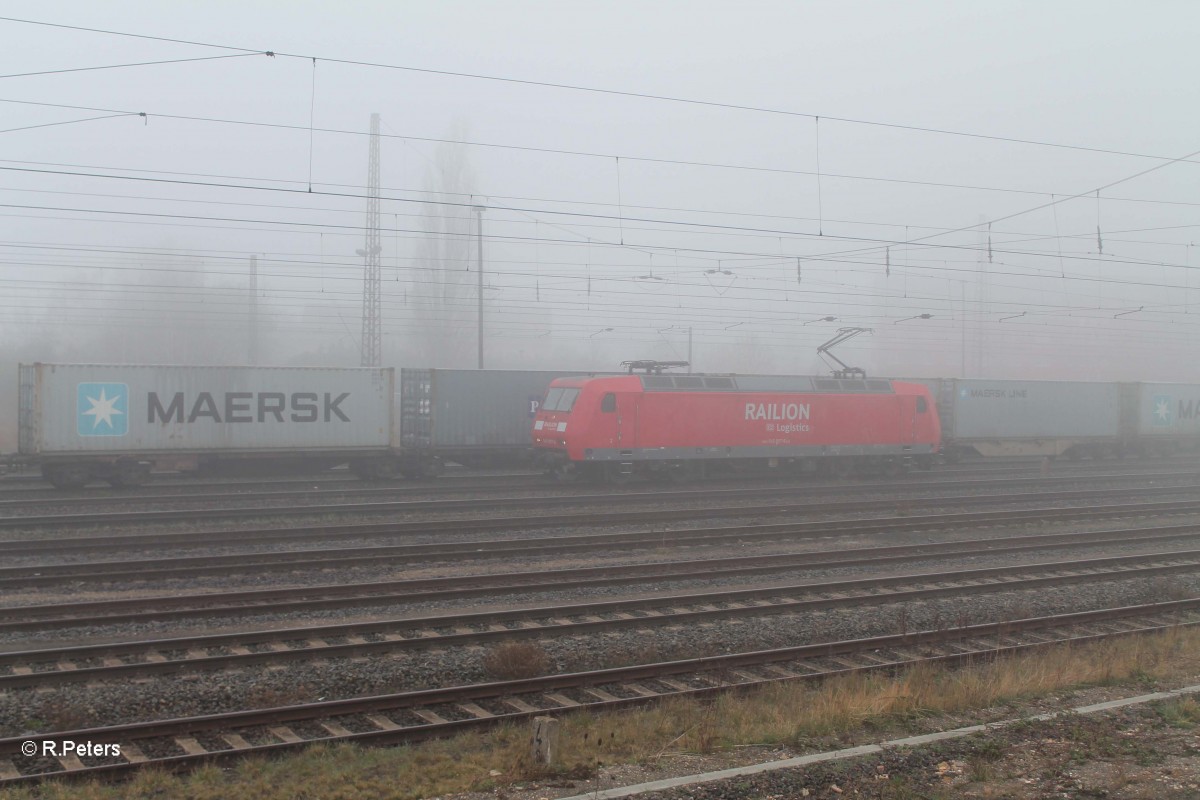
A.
pixel 614 476
pixel 841 468
pixel 677 473
pixel 892 467
pixel 565 473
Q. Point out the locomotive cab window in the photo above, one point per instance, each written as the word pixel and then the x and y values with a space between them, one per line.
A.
pixel 921 405
pixel 608 404
pixel 560 399
pixel 551 401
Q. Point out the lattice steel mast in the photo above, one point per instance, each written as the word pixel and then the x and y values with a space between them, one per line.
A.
pixel 372 324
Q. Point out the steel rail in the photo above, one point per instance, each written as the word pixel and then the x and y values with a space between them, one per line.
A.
pixel 79 663
pixel 532 481
pixel 217 604
pixel 433 713
pixel 602 498
pixel 41 574
pixel 207 538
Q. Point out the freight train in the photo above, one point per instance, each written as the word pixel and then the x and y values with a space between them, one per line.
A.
pixel 682 425
pixel 116 423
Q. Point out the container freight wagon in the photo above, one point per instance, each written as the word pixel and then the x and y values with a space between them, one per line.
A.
pixel 1065 418
pixel 478 418
pixel 679 425
pixel 1047 418
pixel 82 422
pixel 1160 418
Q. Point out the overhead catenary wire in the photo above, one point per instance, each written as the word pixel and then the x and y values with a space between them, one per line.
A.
pixel 881 244
pixel 124 66
pixel 592 89
pixel 556 151
pixel 823 266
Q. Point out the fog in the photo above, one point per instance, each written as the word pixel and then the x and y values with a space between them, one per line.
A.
pixel 1024 174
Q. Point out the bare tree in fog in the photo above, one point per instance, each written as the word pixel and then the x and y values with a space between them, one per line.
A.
pixel 443 278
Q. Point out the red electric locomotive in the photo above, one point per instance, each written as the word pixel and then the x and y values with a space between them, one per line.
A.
pixel 614 427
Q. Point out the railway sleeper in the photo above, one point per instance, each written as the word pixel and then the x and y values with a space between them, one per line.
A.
pixel 205 741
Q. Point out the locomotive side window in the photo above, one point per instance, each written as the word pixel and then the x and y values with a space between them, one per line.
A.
pixel 608 404
pixel 921 405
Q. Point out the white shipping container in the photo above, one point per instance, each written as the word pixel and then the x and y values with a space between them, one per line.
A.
pixel 1168 409
pixel 121 408
pixel 1033 409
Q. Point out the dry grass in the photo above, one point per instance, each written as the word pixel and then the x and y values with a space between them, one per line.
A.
pixel 513 661
pixel 787 713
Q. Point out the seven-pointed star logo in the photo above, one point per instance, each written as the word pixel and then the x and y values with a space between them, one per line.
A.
pixel 102 409
pixel 1161 415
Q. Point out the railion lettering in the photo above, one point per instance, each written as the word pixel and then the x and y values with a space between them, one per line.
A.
pixel 777 411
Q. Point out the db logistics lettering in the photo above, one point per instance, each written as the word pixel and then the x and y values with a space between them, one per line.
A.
pixel 248 407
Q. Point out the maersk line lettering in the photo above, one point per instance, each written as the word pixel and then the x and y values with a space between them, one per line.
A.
pixel 777 411
pixel 248 407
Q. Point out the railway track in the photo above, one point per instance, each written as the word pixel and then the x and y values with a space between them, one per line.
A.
pixel 40 575
pixel 605 499
pixel 465 484
pixel 49 667
pixel 215 605
pixel 413 716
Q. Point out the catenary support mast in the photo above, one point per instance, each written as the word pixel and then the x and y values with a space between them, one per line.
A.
pixel 372 328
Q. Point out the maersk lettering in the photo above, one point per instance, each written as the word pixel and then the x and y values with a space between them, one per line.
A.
pixel 1189 410
pixel 998 393
pixel 238 411
pixel 777 411
pixel 271 403
pixel 175 410
pixel 306 402
pixel 248 407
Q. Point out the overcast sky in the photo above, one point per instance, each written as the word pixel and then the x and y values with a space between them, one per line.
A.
pixel 918 106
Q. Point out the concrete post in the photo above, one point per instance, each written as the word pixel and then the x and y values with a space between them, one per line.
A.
pixel 544 741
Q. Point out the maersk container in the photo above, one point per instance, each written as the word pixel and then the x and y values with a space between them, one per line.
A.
pixel 1056 413
pixel 1168 410
pixel 113 409
pixel 457 411
pixel 1023 418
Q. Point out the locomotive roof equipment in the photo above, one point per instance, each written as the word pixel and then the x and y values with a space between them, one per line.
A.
pixel 657 367
pixel 843 335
